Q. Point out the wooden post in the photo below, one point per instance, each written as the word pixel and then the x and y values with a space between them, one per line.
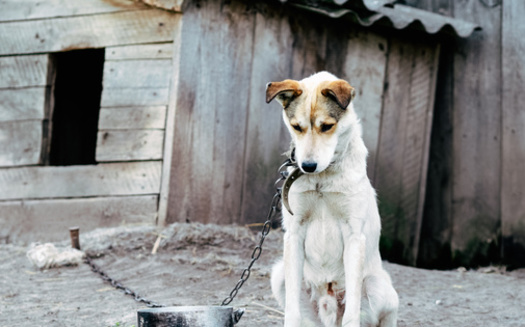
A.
pixel 75 240
pixel 186 316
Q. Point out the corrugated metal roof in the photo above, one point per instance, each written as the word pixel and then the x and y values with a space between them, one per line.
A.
pixel 387 12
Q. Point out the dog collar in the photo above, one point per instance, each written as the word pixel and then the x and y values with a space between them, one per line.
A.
pixel 292 177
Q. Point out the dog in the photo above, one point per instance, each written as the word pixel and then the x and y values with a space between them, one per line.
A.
pixel 331 272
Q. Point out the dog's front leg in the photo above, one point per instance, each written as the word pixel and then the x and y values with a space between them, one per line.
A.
pixel 354 257
pixel 293 277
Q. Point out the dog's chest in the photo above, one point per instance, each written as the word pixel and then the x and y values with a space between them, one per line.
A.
pixel 323 242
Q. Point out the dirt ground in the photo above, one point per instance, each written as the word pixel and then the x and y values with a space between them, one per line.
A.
pixel 199 264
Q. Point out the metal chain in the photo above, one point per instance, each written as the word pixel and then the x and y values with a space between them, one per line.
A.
pixel 119 286
pixel 265 230
pixel 283 172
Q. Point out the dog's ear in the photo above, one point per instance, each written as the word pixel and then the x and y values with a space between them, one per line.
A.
pixel 285 91
pixel 339 91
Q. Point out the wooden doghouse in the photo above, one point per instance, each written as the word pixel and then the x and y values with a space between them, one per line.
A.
pixel 183 132
pixel 84 100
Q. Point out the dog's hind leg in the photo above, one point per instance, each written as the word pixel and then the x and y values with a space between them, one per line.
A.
pixel 308 314
pixel 380 301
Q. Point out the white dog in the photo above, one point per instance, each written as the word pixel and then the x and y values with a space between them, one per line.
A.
pixel 331 273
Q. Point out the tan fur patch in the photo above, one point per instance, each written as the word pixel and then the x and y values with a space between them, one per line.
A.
pixel 339 91
pixel 287 90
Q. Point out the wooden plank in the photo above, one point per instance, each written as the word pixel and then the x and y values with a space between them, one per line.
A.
pixel 137 73
pixel 129 145
pixel 404 143
pixel 22 71
pixel 130 97
pixel 35 9
pixel 132 118
pixel 20 142
pixel 513 135
pixel 210 128
pixel 141 51
pixel 264 130
pixel 476 171
pixel 415 155
pixel 434 245
pixel 49 220
pixel 365 67
pixel 170 131
pixel 22 104
pixel 92 31
pixel 390 155
pixel 131 178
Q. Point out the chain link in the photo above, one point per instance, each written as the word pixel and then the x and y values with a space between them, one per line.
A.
pixel 264 232
pixel 119 286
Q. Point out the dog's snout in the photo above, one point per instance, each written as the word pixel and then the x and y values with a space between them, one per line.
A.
pixel 309 166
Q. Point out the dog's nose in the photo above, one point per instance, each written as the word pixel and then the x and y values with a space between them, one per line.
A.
pixel 309 167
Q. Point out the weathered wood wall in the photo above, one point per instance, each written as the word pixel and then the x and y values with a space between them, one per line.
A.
pixel 475 210
pixel 39 202
pixel 228 142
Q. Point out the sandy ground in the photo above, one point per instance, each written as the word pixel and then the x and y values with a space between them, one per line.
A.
pixel 199 264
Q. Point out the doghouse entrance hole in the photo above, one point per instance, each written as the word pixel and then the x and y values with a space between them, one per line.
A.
pixel 75 106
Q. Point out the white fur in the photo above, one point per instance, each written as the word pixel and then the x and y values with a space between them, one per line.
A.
pixel 333 236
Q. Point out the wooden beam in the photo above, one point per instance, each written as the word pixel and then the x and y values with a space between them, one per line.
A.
pixel 37 9
pixel 144 73
pixel 129 145
pixel 513 135
pixel 132 118
pixel 23 71
pixel 48 220
pixel 20 142
pixel 141 51
pixel 130 178
pixel 91 31
pixel 22 104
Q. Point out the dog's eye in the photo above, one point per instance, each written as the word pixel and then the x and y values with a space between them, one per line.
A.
pixel 326 127
pixel 297 128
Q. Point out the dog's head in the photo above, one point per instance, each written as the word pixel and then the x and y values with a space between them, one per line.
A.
pixel 315 109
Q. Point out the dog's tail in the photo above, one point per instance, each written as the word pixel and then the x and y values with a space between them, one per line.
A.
pixel 277 282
